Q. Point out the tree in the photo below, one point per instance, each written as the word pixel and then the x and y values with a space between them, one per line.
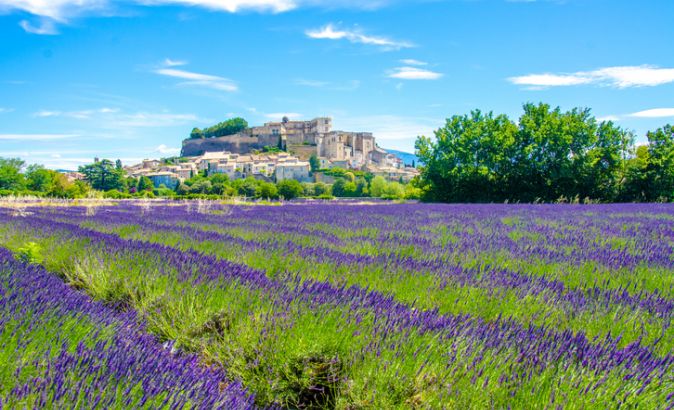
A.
pixel 38 178
pixel 289 189
pixel 196 133
pixel 145 184
pixel 548 155
pixel 10 174
pixel 377 186
pixel 182 189
pixel 267 190
pixel 228 127
pixel 118 165
pixel 321 188
pixel 314 163
pixel 103 175
pixel 201 187
pixel 660 168
pixel 469 159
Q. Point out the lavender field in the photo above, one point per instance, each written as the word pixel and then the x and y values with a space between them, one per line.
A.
pixel 337 305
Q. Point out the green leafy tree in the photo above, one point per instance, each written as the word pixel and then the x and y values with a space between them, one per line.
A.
pixel 377 186
pixel 228 127
pixel 182 189
pixel 103 175
pixel 314 163
pixel 196 133
pixel 267 190
pixel 289 189
pixel 660 169
pixel 38 178
pixel 10 174
pixel 145 184
pixel 321 188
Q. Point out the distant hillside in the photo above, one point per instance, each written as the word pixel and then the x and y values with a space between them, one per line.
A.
pixel 405 156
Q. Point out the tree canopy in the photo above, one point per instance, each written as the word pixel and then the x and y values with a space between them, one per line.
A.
pixel 547 155
pixel 228 127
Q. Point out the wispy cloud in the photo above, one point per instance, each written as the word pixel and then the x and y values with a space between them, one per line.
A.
pixel 80 115
pixel 196 79
pixel 5 110
pixel 46 27
pixel 58 10
pixel 605 118
pixel 654 113
pixel 413 73
pixel 231 6
pixel 346 86
pixel 174 63
pixel 36 137
pixel 164 149
pixel 411 61
pixel 113 118
pixel 53 12
pixel 617 77
pixel 330 32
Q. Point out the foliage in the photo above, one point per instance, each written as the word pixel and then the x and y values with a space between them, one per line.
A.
pixel 103 175
pixel 228 127
pixel 289 189
pixel 10 174
pixel 548 154
pixel 314 163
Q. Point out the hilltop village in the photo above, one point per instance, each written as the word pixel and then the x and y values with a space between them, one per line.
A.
pixel 276 151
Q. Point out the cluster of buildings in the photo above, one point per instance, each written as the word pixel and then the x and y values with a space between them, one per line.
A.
pixel 238 155
pixel 270 166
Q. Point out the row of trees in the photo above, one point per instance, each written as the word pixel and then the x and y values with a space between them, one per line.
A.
pixel 346 185
pixel 546 155
pixel 228 127
pixel 37 180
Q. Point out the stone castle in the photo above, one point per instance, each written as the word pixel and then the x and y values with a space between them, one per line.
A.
pixel 303 138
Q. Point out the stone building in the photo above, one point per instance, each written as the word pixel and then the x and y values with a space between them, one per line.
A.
pixel 306 138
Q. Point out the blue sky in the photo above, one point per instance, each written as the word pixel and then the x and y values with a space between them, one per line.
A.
pixel 129 79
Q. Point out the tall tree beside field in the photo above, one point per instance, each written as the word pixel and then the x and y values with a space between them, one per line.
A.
pixel 103 175
pixel 660 168
pixel 549 154
pixel 10 174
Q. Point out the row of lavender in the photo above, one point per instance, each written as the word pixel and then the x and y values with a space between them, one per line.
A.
pixel 552 300
pixel 358 346
pixel 61 350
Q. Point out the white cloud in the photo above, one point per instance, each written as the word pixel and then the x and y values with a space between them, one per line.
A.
pixel 163 149
pixel 279 115
pixel 5 110
pixel 654 113
pixel 59 10
pixel 79 115
pixel 144 119
pixel 346 86
pixel 231 6
pixel 413 73
pixel 36 137
pixel 199 80
pixel 411 61
pixel 174 63
pixel 606 118
pixel 330 32
pixel 312 83
pixel 46 27
pixel 618 77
